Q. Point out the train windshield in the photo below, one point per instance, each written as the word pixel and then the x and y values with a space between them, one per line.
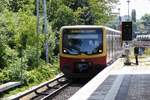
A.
pixel 82 41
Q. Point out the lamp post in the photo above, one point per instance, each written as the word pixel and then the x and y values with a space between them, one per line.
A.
pixel 128 1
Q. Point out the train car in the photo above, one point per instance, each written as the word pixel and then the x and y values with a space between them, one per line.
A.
pixel 86 50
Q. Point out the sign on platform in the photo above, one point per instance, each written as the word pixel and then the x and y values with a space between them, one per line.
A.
pixel 141 44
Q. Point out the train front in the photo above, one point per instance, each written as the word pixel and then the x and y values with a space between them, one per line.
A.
pixel 82 52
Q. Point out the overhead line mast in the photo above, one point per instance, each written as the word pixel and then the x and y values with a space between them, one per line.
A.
pixel 37 30
pixel 45 31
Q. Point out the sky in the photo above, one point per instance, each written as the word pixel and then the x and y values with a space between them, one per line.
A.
pixel 141 7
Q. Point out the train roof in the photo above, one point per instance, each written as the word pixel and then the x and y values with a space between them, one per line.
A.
pixel 82 26
pixel 107 28
pixel 88 26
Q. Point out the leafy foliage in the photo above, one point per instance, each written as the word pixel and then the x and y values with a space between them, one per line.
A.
pixel 146 19
pixel 144 23
pixel 18 45
pixel 72 12
pixel 64 17
pixel 133 15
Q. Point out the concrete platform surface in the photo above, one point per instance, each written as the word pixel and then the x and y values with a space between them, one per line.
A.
pixel 118 82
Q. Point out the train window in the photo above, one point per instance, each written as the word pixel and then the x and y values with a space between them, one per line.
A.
pixel 86 41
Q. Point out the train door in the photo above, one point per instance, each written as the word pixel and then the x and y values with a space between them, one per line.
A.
pixel 112 45
pixel 108 46
pixel 115 45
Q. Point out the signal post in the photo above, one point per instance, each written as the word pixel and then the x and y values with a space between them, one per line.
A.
pixel 127 38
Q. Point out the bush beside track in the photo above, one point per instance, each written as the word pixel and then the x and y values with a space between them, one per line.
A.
pixel 31 78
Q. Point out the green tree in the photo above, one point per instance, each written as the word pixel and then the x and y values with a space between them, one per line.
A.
pixel 16 5
pixel 64 17
pixel 82 12
pixel 52 7
pixel 4 5
pixel 133 16
pixel 146 21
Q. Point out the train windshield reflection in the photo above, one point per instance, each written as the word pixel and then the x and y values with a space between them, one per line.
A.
pixel 82 41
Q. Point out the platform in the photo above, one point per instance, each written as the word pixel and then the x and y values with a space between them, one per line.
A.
pixel 118 82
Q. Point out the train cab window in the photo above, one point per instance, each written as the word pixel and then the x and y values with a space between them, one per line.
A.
pixel 82 41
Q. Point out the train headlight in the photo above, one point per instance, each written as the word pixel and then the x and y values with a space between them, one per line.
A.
pixel 64 51
pixel 100 51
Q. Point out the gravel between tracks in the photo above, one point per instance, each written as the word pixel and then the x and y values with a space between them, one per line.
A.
pixel 68 92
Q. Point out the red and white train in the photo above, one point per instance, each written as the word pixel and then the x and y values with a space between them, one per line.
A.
pixel 85 50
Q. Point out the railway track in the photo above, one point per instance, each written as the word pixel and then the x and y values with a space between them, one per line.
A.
pixel 44 91
pixel 52 94
pixel 70 90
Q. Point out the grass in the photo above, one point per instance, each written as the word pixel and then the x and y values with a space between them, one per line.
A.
pixel 34 78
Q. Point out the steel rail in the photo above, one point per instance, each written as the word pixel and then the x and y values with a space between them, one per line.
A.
pixel 54 93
